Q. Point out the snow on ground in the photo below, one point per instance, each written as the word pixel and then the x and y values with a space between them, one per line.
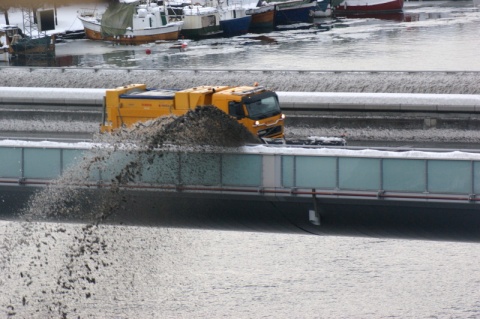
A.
pixel 262 149
pixel 45 144
pixel 66 17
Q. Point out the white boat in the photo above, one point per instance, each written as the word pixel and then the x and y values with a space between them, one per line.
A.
pixel 323 9
pixel 200 22
pixel 131 22
pixel 4 55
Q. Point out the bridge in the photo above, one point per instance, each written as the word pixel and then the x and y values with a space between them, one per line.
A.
pixel 429 195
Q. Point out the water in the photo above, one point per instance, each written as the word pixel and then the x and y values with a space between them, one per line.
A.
pixel 166 273
pixel 93 270
pixel 430 35
pixel 133 272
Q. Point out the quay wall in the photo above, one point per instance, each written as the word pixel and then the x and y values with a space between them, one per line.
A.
pixel 436 82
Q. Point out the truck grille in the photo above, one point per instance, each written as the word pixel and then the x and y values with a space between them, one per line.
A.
pixel 271 131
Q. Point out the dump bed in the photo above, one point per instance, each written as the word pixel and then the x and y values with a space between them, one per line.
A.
pixel 159 94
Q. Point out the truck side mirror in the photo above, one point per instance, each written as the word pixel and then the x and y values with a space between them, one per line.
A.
pixel 236 109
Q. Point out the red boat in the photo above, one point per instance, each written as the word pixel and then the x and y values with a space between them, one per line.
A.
pixel 367 6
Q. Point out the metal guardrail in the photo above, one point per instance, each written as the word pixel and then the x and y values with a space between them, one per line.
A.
pixel 280 173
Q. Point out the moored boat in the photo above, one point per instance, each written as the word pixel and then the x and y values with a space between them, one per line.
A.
pixel 323 9
pixel 233 19
pixel 19 45
pixel 263 17
pixel 131 23
pixel 200 22
pixel 4 52
pixel 366 6
pixel 294 11
pixel 23 47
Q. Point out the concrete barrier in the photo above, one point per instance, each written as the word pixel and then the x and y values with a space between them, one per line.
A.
pixel 380 101
pixel 289 100
pixel 51 96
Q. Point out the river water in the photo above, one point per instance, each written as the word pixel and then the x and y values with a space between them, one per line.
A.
pixel 65 270
pixel 428 35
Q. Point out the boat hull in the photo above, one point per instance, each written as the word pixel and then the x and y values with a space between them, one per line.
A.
pixel 200 23
pixel 201 33
pixel 234 27
pixel 4 55
pixel 167 32
pixel 368 7
pixel 263 20
pixel 44 46
pixel 323 9
pixel 295 12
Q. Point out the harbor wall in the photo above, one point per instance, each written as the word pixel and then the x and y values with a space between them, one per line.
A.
pixel 437 82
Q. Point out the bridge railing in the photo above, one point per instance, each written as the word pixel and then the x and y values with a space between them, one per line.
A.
pixel 287 173
pixel 448 176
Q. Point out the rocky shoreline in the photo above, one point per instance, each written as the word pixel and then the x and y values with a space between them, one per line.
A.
pixel 294 81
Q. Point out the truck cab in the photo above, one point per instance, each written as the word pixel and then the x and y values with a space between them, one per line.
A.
pixel 255 107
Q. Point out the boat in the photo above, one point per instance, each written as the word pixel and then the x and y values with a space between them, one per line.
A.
pixel 70 35
pixel 233 19
pixel 294 12
pixel 21 46
pixel 345 7
pixel 25 46
pixel 132 22
pixel 200 22
pixel 263 17
pixel 323 9
pixel 4 52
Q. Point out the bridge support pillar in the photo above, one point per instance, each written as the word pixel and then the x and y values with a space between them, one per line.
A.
pixel 314 214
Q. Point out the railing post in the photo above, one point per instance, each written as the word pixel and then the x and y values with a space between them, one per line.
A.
pixel 314 215
pixel 426 176
pixel 337 172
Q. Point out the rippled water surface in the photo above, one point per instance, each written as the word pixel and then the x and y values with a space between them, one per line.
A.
pixel 166 273
pixel 430 35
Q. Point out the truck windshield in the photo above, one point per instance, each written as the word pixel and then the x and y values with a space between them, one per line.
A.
pixel 263 107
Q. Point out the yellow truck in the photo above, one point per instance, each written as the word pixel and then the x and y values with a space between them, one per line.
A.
pixel 253 106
